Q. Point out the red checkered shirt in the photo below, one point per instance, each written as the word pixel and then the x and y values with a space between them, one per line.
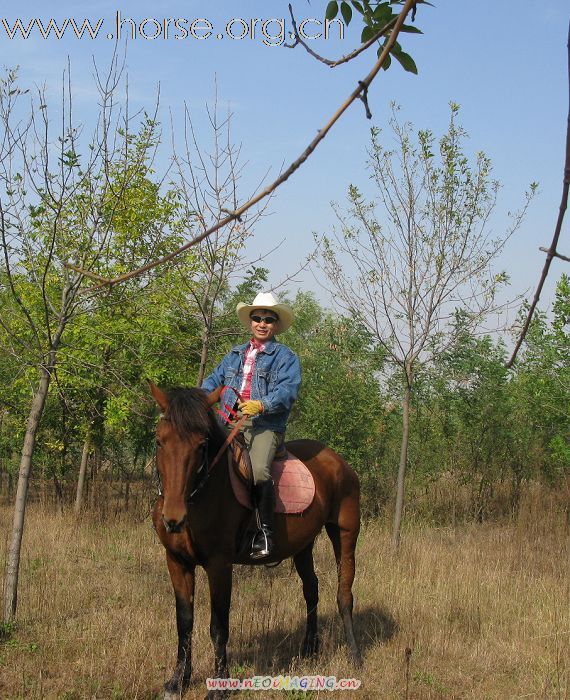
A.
pixel 249 361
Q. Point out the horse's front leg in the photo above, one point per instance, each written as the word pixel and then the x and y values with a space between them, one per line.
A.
pixel 219 574
pixel 182 577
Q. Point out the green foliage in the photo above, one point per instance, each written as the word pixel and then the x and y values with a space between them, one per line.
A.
pixel 7 630
pixel 340 401
pixel 378 18
pixel 541 380
pixel 432 681
pixel 486 427
pixel 346 12
pixel 332 10
pixel 472 420
pixel 404 59
pixel 102 212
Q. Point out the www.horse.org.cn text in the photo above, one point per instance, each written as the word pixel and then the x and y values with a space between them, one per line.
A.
pixel 270 32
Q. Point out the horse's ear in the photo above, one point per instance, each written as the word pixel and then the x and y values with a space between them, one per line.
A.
pixel 159 396
pixel 214 396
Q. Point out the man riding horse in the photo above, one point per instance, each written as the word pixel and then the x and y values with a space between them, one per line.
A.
pixel 265 375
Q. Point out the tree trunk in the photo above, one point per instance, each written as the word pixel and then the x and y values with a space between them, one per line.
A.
pixel 484 495
pixel 82 472
pixel 127 493
pixel 97 434
pixel 403 462
pixel 10 483
pixel 59 494
pixel 13 563
pixel 4 478
pixel 95 468
pixel 203 356
pixel 42 478
pixel 515 499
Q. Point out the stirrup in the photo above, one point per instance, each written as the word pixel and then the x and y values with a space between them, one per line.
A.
pixel 265 551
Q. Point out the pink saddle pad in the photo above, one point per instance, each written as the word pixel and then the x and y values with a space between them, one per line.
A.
pixel 294 486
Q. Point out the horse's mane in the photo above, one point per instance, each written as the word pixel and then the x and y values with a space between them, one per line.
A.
pixel 189 412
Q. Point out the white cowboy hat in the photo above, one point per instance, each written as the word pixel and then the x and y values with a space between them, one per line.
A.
pixel 266 300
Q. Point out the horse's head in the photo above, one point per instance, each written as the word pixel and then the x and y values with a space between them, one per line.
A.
pixel 183 433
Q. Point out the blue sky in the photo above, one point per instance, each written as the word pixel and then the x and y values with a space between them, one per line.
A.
pixel 505 63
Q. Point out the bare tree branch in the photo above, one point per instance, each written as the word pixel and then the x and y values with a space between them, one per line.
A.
pixel 345 59
pixel 555 254
pixel 551 252
pixel 322 133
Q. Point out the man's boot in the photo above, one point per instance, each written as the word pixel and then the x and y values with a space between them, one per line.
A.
pixel 262 545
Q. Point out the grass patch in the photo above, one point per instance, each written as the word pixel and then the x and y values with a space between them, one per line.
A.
pixel 484 609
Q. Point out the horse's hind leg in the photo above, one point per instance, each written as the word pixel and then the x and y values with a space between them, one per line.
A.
pixel 305 568
pixel 343 536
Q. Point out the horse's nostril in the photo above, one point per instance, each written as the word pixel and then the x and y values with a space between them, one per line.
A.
pixel 173 526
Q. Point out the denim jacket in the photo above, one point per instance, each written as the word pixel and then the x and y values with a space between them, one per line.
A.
pixel 275 382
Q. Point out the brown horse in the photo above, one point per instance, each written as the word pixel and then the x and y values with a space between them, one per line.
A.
pixel 198 520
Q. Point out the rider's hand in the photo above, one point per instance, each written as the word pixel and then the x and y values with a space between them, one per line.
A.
pixel 251 408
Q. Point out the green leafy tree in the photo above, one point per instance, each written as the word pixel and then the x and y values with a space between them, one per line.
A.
pixel 61 216
pixel 404 272
pixel 541 391
pixel 340 401
pixel 475 392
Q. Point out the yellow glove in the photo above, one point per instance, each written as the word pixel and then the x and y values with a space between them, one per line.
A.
pixel 250 408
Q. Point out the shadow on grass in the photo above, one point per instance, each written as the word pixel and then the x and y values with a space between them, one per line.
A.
pixel 274 651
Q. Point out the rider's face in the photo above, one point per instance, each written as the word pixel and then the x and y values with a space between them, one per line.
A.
pixel 263 329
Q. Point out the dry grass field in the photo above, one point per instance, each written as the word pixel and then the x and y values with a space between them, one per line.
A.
pixel 484 611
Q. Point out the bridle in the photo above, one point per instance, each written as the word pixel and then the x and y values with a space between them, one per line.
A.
pixel 204 469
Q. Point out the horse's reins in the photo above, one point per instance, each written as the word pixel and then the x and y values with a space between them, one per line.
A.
pixel 216 459
pixel 227 442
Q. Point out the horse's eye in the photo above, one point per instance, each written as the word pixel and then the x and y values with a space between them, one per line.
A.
pixel 158 443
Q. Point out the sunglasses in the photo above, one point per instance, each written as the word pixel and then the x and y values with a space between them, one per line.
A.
pixel 266 319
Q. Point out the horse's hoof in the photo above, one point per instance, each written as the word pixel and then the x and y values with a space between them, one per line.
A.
pixel 217 695
pixel 174 689
pixel 310 646
pixel 356 658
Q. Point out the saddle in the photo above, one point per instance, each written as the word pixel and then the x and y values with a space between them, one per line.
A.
pixel 294 484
